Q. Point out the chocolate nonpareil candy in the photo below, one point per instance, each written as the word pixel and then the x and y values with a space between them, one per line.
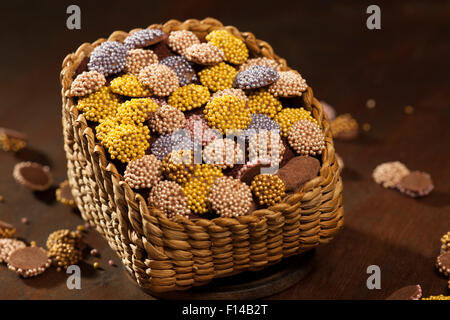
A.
pixel 7 246
pixel 298 171
pixel 413 292
pixel 443 263
pixel 33 175
pixel 12 140
pixel 64 194
pixel 6 230
pixel 29 261
pixel 416 184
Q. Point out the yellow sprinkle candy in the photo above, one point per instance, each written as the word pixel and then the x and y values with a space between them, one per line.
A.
pixel 101 104
pixel 198 187
pixel 235 50
pixel 218 77
pixel 129 85
pixel 189 97
pixel 287 117
pixel 127 142
pixel 227 113
pixel 136 110
pixel 264 102
pixel 439 297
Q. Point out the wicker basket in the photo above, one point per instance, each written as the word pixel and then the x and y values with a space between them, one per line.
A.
pixel 164 255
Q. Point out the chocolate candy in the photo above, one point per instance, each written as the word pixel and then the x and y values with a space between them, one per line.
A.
pixel 416 184
pixel 11 140
pixel 143 38
pixel 29 261
pixel 297 171
pixel 33 176
pixel 255 77
pixel 413 292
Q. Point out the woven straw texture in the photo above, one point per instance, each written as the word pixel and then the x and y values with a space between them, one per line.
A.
pixel 164 255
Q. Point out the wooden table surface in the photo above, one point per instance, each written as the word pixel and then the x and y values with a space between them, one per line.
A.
pixel 404 63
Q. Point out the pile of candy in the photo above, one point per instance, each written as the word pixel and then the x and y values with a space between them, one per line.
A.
pixel 191 116
pixel 396 175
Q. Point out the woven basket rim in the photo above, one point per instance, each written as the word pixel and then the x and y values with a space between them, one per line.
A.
pixel 73 60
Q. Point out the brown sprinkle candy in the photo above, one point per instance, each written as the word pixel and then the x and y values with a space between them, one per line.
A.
pixel 29 261
pixel 306 138
pixel 344 127
pixel 289 84
pixel 230 197
pixel 64 194
pixel 389 174
pixel 11 140
pixel 161 79
pixel 138 59
pixel 33 176
pixel 167 119
pixel 7 246
pixel 86 83
pixel 143 173
pixel 204 53
pixel 180 40
pixel 168 197
pixel 443 263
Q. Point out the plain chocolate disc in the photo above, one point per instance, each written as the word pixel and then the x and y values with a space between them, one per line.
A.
pixel 444 261
pixel 297 171
pixel 66 192
pixel 32 175
pixel 416 181
pixel 28 258
pixel 413 292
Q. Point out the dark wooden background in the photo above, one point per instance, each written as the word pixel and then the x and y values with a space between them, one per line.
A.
pixel 405 63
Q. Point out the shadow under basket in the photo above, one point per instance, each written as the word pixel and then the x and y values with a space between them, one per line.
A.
pixel 165 255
